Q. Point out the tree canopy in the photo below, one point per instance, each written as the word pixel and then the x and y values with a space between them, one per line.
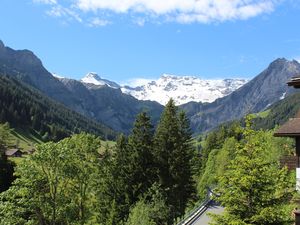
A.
pixel 254 189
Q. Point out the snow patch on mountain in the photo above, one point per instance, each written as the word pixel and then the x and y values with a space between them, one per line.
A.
pixel 57 76
pixel 184 89
pixel 94 78
pixel 282 96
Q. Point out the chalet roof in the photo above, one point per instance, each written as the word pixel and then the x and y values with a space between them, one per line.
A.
pixel 11 152
pixel 289 129
pixel 295 82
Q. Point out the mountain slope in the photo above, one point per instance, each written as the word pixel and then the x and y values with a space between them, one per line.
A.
pixel 24 107
pixel 24 65
pixel 184 89
pixel 279 113
pixel 108 106
pixel 262 91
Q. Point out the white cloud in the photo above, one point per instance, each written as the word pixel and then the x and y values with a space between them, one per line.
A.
pixel 60 11
pixel 97 22
pixel 181 11
pixel 47 2
pixel 140 21
pixel 184 11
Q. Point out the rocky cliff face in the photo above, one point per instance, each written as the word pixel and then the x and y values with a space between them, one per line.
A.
pixel 24 65
pixel 259 93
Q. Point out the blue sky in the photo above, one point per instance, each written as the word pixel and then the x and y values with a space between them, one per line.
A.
pixel 130 39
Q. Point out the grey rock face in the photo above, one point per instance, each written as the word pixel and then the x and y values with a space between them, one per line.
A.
pixel 259 93
pixel 107 105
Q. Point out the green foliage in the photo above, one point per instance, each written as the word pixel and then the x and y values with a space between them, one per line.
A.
pixel 140 145
pixel 114 184
pixel 6 167
pixel 24 107
pixel 248 188
pixel 216 152
pixel 143 160
pixel 5 135
pixel 279 113
pixel 151 209
pixel 146 178
pixel 216 139
pixel 128 173
pixel 141 214
pixel 173 154
pixel 54 185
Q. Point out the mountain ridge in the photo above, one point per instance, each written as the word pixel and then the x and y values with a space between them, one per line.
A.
pixel 182 89
pixel 117 110
pixel 259 93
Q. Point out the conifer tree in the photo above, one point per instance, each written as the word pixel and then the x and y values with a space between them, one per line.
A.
pixel 173 154
pixel 131 169
pixel 114 186
pixel 140 145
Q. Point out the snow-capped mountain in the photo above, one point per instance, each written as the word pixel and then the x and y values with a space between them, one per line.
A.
pixel 184 89
pixel 93 78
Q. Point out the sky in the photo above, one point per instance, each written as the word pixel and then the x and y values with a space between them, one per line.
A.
pixel 127 40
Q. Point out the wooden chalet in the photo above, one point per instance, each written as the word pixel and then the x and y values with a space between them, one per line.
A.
pixel 292 129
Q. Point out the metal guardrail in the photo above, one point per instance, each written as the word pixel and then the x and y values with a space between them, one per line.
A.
pixel 191 216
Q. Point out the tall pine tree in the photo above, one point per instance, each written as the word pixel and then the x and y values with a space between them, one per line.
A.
pixel 173 154
pixel 140 145
pixel 130 172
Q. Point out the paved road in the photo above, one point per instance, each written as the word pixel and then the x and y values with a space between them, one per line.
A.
pixel 205 219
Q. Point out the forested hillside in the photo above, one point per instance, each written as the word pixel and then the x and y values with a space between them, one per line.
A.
pixel 147 178
pixel 24 107
pixel 239 164
pixel 278 113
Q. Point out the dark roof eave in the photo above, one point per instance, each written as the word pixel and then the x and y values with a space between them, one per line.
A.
pixel 291 135
pixel 295 82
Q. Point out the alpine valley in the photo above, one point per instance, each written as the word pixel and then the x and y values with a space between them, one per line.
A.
pixel 207 103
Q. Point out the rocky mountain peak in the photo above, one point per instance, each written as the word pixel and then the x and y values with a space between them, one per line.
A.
pixel 95 79
pixel 93 75
pixel 24 60
pixel 92 78
pixel 282 63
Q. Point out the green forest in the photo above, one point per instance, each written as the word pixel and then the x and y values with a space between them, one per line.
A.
pixel 151 177
pixel 25 107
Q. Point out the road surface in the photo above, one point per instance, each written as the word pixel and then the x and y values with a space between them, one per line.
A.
pixel 204 219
